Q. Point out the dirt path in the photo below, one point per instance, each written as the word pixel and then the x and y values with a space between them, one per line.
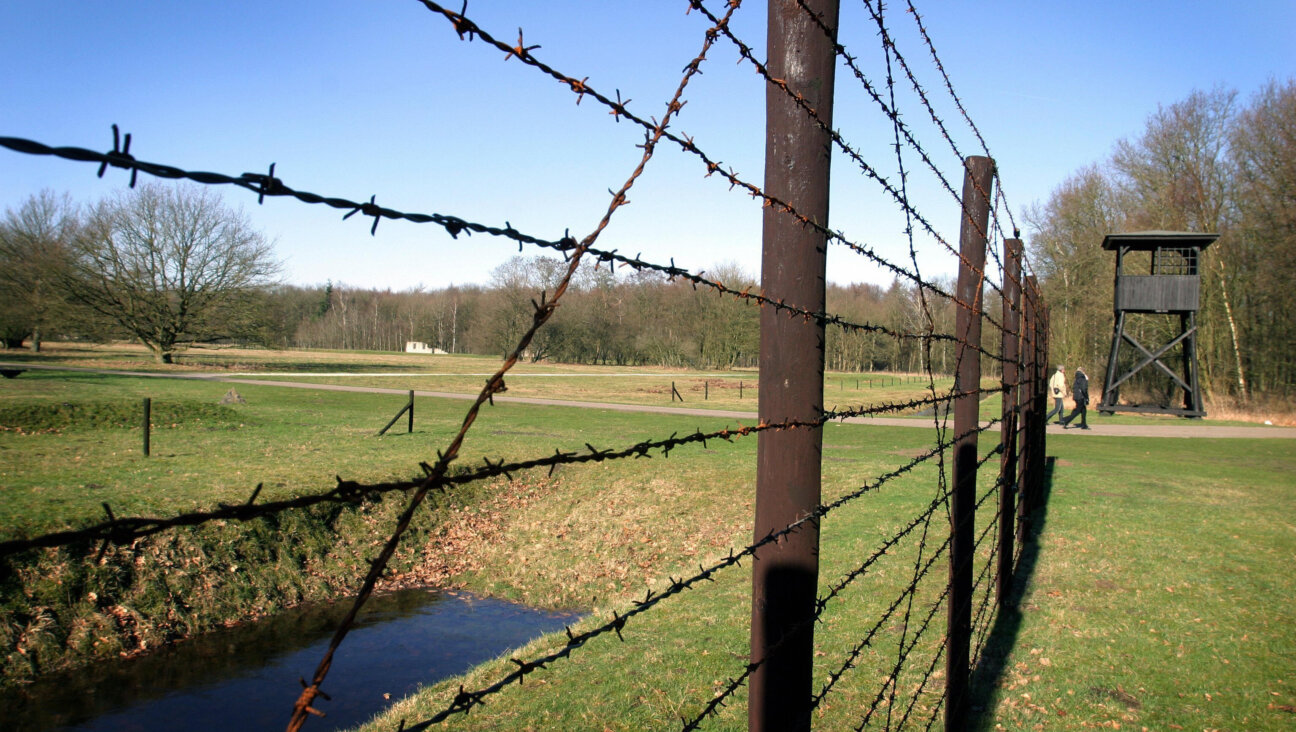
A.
pixel 1098 428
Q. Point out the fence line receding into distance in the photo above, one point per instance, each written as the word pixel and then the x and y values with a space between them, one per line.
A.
pixel 956 566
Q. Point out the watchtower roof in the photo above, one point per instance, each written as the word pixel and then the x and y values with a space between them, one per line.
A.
pixel 1146 241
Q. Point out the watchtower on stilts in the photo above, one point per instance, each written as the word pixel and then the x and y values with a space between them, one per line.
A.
pixel 1171 287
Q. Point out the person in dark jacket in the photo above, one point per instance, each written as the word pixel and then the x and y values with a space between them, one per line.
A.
pixel 1079 392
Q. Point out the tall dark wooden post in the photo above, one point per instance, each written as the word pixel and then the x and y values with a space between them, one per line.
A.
pixel 785 575
pixel 1037 397
pixel 977 183
pixel 1030 332
pixel 1010 346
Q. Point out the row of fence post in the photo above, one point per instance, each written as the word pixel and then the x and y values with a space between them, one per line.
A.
pixel 1024 350
pixel 789 468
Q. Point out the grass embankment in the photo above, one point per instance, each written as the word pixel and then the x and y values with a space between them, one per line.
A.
pixel 72 442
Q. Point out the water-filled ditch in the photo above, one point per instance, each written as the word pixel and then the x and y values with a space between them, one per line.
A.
pixel 247 677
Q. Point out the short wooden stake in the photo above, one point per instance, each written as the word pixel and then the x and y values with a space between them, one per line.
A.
pixel 148 419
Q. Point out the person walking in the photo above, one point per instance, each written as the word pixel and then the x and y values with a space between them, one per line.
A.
pixel 1057 387
pixel 1079 392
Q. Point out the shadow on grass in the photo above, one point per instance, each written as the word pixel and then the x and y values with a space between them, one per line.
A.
pixel 989 671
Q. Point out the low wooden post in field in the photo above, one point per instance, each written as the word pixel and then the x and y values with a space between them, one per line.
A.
pixel 409 407
pixel 148 419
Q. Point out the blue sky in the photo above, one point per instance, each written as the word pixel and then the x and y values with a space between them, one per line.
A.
pixel 354 99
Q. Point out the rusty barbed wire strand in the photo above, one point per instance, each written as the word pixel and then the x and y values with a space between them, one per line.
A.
pixel 948 84
pixel 888 44
pixel 123 530
pixel 746 53
pixel 543 310
pixel 464 701
pixel 913 80
pixel 958 102
pixel 894 676
pixel 987 611
pixel 892 113
pixel 467 29
pixel 938 426
pixel 573 253
pixel 904 650
pixel 928 675
pixel 822 602
pixel 918 88
pixel 853 655
pixel 990 564
pixel 268 185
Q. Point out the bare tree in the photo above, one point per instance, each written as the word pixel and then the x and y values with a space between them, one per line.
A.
pixel 1179 178
pixel 171 266
pixel 1076 272
pixel 33 252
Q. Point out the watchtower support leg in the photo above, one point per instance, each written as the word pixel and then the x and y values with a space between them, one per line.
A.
pixel 1111 390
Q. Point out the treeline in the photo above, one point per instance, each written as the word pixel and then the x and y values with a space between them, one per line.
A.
pixel 172 266
pixel 1205 164
pixel 639 318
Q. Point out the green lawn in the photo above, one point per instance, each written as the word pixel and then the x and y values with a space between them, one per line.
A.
pixel 1160 594
pixel 1160 589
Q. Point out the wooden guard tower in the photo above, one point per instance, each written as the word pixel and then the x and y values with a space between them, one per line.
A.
pixel 1171 287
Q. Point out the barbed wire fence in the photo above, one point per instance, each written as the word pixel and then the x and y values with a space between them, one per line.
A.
pixel 790 599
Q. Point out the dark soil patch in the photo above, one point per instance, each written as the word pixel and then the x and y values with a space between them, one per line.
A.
pixel 1129 700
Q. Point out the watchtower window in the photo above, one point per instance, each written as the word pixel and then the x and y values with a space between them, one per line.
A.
pixel 1174 261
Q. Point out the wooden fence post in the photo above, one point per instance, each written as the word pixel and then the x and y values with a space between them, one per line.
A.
pixel 785 575
pixel 977 182
pixel 1027 408
pixel 1010 345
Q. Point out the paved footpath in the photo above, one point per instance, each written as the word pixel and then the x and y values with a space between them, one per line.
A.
pixel 1098 429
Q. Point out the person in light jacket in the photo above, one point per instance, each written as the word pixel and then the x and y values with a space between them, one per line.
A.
pixel 1079 392
pixel 1057 388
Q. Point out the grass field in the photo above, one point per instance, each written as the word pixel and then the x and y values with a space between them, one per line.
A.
pixel 1160 591
pixel 1160 597
pixel 465 374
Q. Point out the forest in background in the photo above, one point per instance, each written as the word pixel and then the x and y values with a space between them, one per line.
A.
pixel 618 318
pixel 1208 163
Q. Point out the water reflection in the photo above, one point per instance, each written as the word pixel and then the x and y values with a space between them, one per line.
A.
pixel 247 677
